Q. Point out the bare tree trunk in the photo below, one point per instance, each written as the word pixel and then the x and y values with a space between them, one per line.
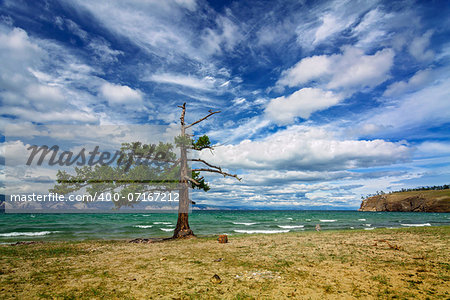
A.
pixel 182 229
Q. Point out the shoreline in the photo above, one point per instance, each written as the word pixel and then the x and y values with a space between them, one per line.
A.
pixel 45 227
pixel 214 236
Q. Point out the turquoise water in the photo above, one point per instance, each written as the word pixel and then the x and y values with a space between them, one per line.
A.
pixel 33 227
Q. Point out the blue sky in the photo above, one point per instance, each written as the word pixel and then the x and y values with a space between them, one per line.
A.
pixel 322 101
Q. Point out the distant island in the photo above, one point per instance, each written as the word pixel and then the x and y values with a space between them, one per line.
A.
pixel 423 199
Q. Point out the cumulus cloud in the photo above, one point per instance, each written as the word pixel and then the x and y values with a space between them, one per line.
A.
pixel 307 148
pixel 302 104
pixel 14 153
pixel 307 69
pixel 350 70
pixel 356 70
pixel 117 94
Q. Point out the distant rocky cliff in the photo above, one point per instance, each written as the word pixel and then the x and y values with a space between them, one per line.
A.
pixel 418 201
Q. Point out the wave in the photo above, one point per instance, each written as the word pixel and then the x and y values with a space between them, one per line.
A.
pixel 260 231
pixel 417 225
pixel 368 225
pixel 289 218
pixel 291 226
pixel 371 228
pixel 327 220
pixel 9 234
pixel 243 223
pixel 162 223
pixel 143 226
pixel 362 220
pixel 167 229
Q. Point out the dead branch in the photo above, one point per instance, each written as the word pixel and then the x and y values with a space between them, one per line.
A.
pixel 225 174
pixel 183 107
pixel 202 119
pixel 206 163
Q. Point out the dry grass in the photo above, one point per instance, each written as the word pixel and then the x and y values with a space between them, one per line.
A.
pixel 400 263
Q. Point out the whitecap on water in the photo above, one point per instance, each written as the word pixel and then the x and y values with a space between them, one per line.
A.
pixel 290 226
pixel 162 223
pixel 39 233
pixel 243 223
pixel 260 231
pixel 416 225
pixel 143 226
pixel 362 220
pixel 167 229
pixel 325 221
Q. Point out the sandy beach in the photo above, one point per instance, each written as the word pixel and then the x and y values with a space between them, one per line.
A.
pixel 381 263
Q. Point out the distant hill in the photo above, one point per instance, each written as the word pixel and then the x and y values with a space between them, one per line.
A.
pixel 415 201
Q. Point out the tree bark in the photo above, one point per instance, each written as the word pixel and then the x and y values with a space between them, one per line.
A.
pixel 182 229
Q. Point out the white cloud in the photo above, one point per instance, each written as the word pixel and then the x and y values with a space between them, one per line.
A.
pixel 121 94
pixel 423 109
pixel 15 153
pixel 76 30
pixel 246 129
pixel 189 4
pixel 431 148
pixel 330 26
pixel 164 28
pixel 356 70
pixel 240 100
pixel 44 96
pixel 205 83
pixel 307 69
pixel 416 82
pixel 350 70
pixel 418 47
pixel 307 148
pixel 226 36
pixel 40 81
pixel 102 50
pixel 302 104
pixel 323 23
pixel 66 115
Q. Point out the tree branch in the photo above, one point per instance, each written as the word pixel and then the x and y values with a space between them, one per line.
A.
pixel 192 180
pixel 204 118
pixel 225 174
pixel 206 163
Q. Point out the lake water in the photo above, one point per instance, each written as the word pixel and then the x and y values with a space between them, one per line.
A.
pixel 33 227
